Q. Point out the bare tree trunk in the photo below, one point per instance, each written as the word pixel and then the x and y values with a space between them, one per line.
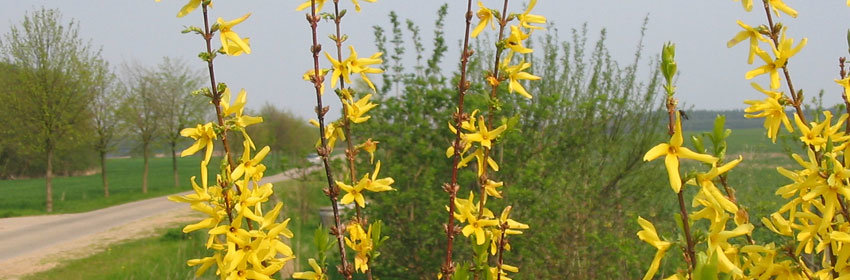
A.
pixel 174 163
pixel 145 173
pixel 48 178
pixel 103 173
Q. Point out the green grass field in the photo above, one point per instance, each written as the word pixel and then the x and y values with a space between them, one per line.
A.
pixel 85 193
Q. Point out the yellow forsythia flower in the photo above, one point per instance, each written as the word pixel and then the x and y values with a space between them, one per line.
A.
pixel 751 33
pixel 250 166
pixel 355 110
pixel 309 75
pixel 845 84
pixel 361 242
pixel 748 4
pixel 236 108
pixel 468 212
pixel 526 19
pixel 515 73
pixel 333 132
pixel 308 3
pixel 485 136
pixel 189 7
pixel 369 146
pixel 479 157
pixel 361 66
pixel 504 275
pixel 354 65
pixel 514 41
pixel 485 16
pixel 778 5
pixel 490 188
pixel 771 109
pixel 357 4
pixel 316 274
pixel 718 243
pixel 204 136
pixel 673 151
pixel 230 41
pixel 649 235
pixel 782 54
pixel 812 136
pixel 373 184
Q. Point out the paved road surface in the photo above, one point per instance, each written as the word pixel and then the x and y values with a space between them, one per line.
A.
pixel 21 236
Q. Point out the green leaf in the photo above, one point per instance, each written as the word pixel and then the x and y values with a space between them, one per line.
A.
pixel 706 268
pixel 461 272
pixel 697 142
pixel 488 274
pixel 668 65
pixel 719 135
pixel 719 123
pixel 221 88
pixel 319 238
pixel 205 56
pixel 192 29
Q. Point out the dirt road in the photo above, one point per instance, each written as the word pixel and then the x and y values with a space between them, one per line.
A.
pixel 36 243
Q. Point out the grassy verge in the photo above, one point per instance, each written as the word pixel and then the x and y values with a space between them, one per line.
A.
pixel 164 257
pixel 85 193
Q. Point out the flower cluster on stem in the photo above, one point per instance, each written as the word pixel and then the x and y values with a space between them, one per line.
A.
pixel 363 238
pixel 475 137
pixel 814 220
pixel 247 243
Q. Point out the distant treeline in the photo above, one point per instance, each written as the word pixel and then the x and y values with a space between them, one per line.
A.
pixel 703 120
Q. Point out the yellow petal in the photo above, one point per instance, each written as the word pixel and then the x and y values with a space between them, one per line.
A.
pixel 657 151
pixel 672 163
pixel 687 153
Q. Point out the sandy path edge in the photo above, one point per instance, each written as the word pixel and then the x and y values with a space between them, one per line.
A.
pixel 36 243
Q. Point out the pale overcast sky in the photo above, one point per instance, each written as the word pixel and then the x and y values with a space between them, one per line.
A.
pixel 712 76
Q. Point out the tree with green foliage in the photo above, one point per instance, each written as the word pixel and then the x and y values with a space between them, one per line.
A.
pixel 141 110
pixel 585 99
pixel 283 132
pixel 175 81
pixel 52 70
pixel 105 117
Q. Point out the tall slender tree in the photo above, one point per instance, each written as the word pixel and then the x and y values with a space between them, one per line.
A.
pixel 53 69
pixel 175 81
pixel 106 98
pixel 141 110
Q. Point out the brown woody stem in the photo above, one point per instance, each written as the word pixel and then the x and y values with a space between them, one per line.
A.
pixel 216 101
pixel 683 211
pixel 730 193
pixel 323 151
pixel 774 37
pixel 501 250
pixel 452 188
pixel 492 108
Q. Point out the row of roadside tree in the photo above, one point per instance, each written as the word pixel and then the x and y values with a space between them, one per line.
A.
pixel 65 109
